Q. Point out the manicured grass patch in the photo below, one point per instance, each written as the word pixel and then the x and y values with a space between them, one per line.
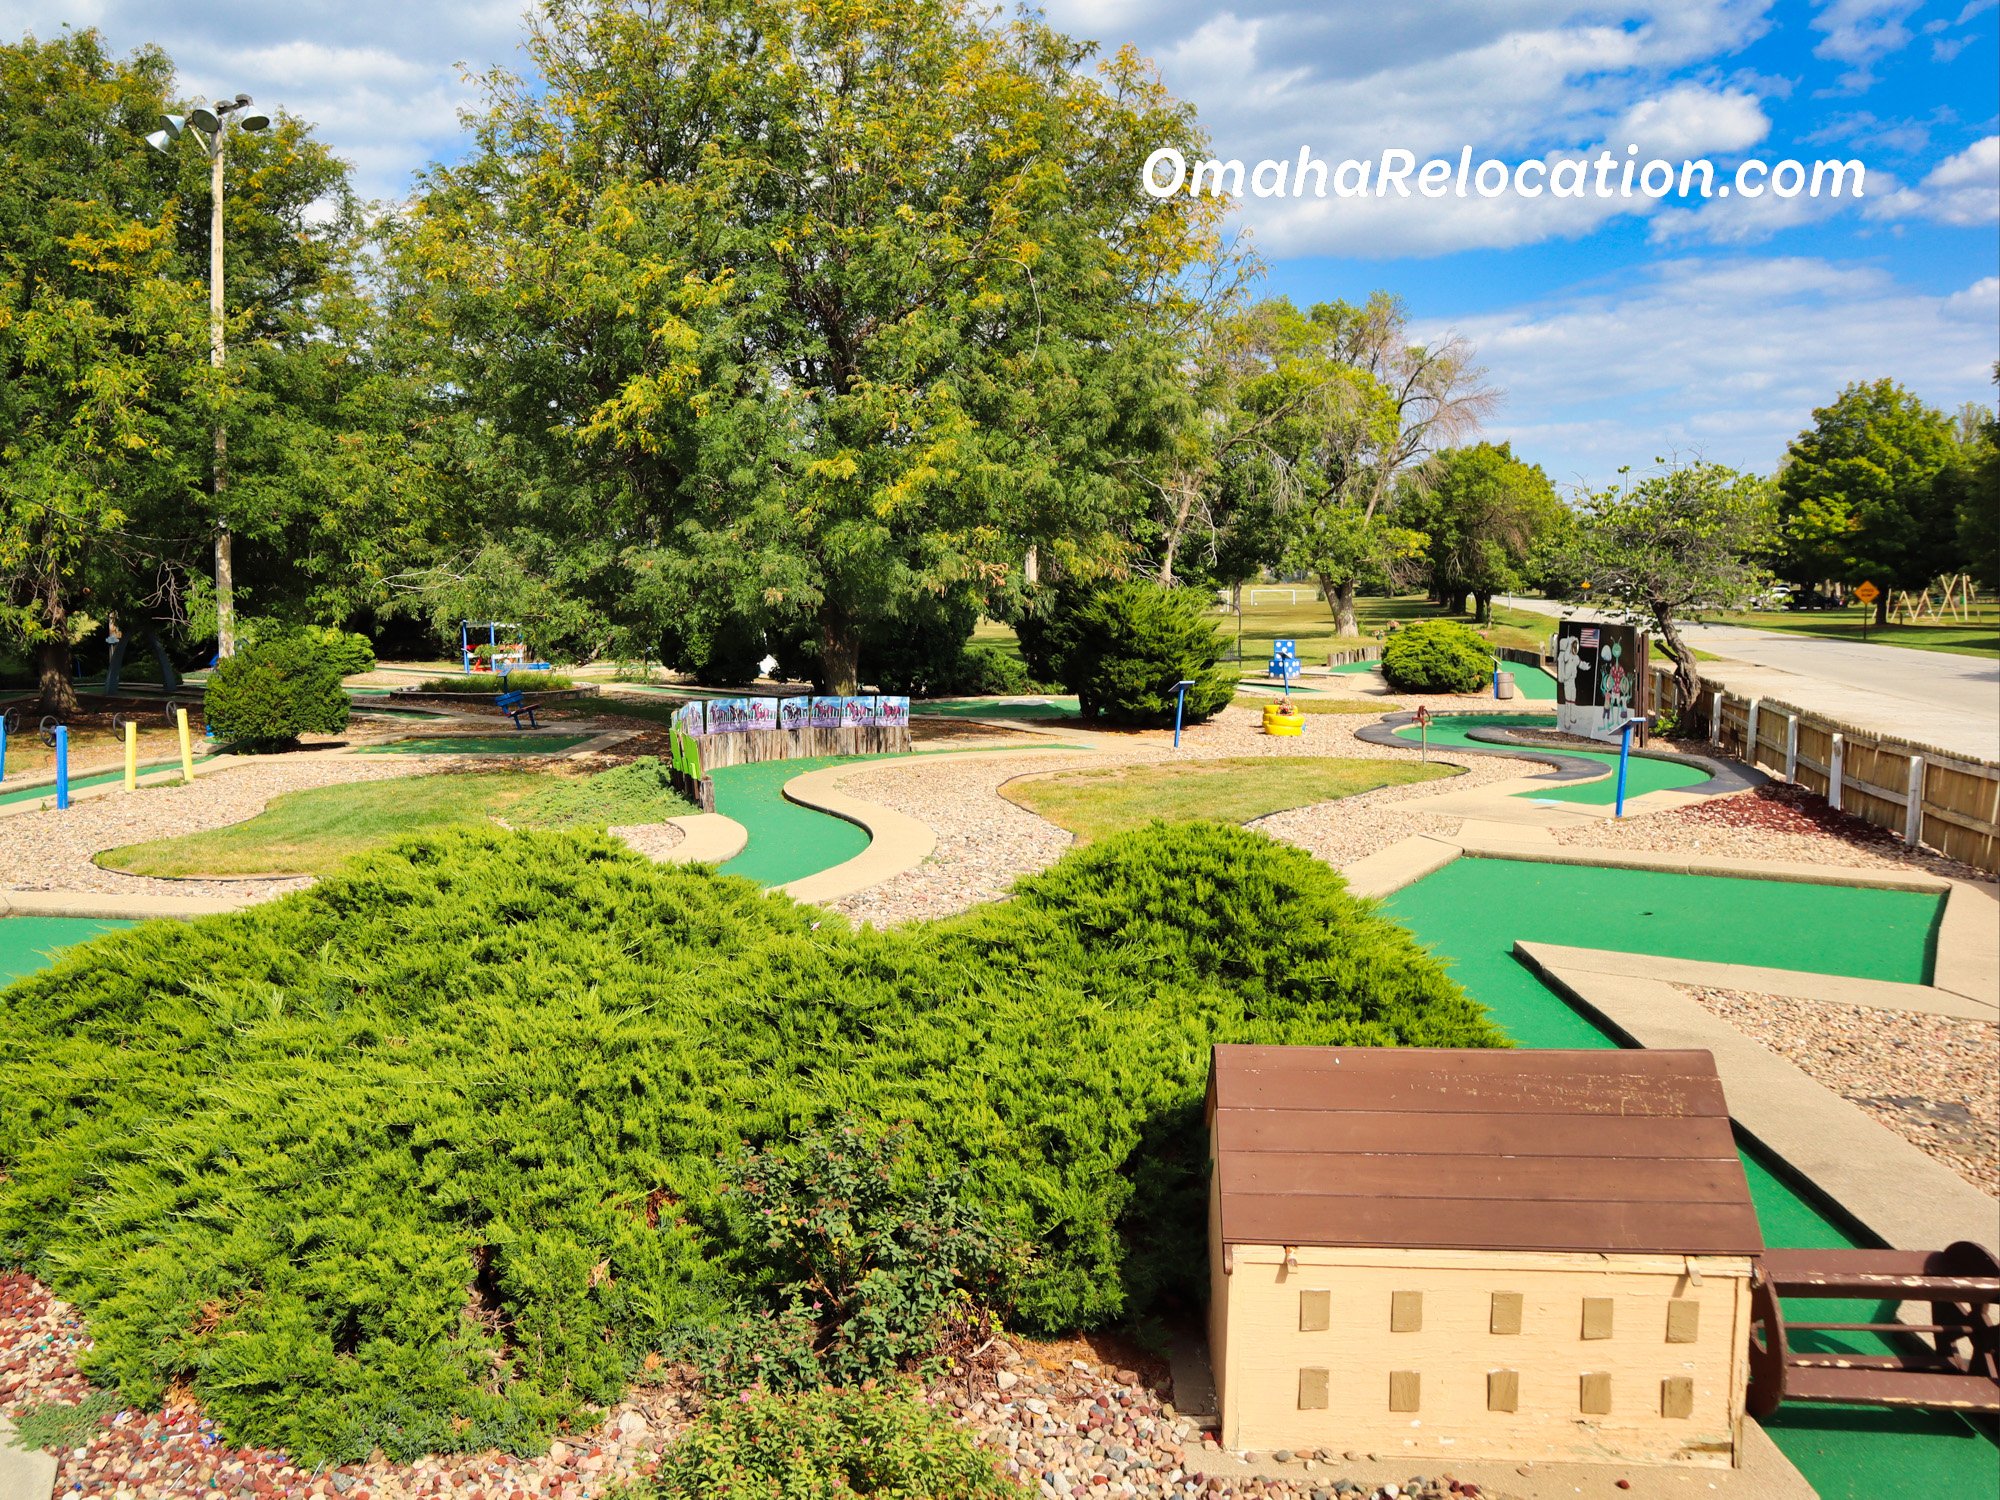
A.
pixel 427 1157
pixel 1978 636
pixel 1095 804
pixel 314 831
pixel 489 683
pixel 1346 706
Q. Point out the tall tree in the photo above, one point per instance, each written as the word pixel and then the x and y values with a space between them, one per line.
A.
pixel 1483 515
pixel 107 402
pixel 1403 403
pixel 1683 539
pixel 1856 495
pixel 818 310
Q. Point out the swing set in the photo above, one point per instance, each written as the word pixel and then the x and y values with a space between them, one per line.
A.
pixel 500 656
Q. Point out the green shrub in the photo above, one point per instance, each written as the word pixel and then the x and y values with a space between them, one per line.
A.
pixel 1437 656
pixel 888 1259
pixel 272 691
pixel 882 1444
pixel 988 671
pixel 1128 646
pixel 430 1155
pixel 641 791
pixel 346 652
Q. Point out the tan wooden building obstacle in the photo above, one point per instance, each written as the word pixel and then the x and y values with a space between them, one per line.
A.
pixel 1520 1255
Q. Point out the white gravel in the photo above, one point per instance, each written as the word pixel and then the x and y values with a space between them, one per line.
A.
pixel 654 840
pixel 1934 1080
pixel 50 850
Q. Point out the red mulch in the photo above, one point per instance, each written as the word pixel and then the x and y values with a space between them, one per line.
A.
pixel 1780 808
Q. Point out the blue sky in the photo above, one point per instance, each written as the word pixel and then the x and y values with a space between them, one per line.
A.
pixel 1618 332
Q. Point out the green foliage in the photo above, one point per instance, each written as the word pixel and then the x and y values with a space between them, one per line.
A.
pixel 809 400
pixel 57 1427
pixel 881 1443
pixel 886 1258
pixel 1483 513
pixel 275 689
pixel 1857 495
pixel 1436 656
pixel 1128 646
pixel 428 1155
pixel 640 791
pixel 345 651
pixel 488 684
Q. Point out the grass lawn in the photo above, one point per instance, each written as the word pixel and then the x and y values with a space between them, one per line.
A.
pixel 314 831
pixel 1979 636
pixel 1096 804
pixel 1310 623
pixel 310 832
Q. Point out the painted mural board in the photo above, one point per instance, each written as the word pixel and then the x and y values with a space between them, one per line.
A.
pixel 1600 677
pixel 760 713
pixel 795 713
pixel 728 715
pixel 892 713
pixel 857 713
pixel 827 712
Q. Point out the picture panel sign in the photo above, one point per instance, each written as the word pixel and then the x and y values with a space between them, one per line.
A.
pixel 1600 677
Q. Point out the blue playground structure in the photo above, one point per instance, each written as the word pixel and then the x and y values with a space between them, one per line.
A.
pixel 511 657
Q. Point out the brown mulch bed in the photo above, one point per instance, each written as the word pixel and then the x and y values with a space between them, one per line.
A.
pixel 1782 808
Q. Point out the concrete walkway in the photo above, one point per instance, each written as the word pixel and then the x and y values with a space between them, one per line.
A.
pixel 1933 697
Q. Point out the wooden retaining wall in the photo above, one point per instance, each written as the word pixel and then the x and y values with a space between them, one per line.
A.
pixel 1925 795
pixel 747 745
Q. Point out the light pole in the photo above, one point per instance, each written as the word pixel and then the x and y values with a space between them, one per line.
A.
pixel 210 129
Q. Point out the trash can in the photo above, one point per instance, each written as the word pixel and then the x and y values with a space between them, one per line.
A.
pixel 1503 684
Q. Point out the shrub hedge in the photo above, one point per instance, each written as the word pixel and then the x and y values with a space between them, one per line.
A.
pixel 1123 649
pixel 429 1155
pixel 1437 656
pixel 488 684
pixel 881 1444
pixel 275 689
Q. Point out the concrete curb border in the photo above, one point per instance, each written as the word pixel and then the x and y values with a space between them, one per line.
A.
pixel 706 839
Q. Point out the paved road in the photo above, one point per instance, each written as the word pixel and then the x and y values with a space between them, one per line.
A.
pixel 1933 697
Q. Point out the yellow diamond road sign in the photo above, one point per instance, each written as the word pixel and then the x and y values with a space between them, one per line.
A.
pixel 1866 592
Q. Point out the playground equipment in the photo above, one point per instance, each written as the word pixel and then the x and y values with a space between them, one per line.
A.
pixel 1951 1363
pixel 501 656
pixel 1955 599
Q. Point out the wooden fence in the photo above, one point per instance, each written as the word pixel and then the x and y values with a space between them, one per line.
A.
pixel 1925 795
pixel 747 745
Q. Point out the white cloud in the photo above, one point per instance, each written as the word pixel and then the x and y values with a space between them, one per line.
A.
pixel 1726 358
pixel 1962 190
pixel 1861 31
pixel 1692 120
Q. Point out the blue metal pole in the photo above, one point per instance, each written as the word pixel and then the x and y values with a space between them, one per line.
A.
pixel 1496 677
pixel 1180 698
pixel 1624 757
pixel 3 746
pixel 62 765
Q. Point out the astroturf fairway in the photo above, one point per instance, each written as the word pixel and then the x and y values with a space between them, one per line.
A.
pixel 1472 911
pixel 1643 774
pixel 31 943
pixel 787 841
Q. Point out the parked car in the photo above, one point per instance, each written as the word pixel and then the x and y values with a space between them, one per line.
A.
pixel 1812 599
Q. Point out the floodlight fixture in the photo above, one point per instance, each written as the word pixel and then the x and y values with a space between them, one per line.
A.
pixel 204 120
pixel 254 122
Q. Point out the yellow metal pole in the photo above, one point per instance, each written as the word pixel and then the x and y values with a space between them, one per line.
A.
pixel 187 749
pixel 131 756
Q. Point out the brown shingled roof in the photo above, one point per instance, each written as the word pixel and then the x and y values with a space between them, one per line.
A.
pixel 1478 1149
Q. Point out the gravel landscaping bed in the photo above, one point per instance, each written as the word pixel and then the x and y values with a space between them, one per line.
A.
pixel 1934 1080
pixel 1776 821
pixel 50 850
pixel 986 842
pixel 1063 1425
pixel 654 840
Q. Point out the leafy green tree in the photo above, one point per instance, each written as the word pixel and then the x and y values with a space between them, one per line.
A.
pixel 1683 539
pixel 1484 514
pixel 107 401
pixel 1390 406
pixel 1856 496
pixel 1970 489
pixel 819 309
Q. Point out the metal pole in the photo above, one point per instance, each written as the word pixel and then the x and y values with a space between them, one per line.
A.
pixel 225 575
pixel 1180 698
pixel 62 765
pixel 1624 758
pixel 3 745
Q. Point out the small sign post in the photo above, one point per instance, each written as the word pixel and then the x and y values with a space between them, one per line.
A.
pixel 1424 729
pixel 1180 701
pixel 1285 663
pixel 1624 759
pixel 1867 593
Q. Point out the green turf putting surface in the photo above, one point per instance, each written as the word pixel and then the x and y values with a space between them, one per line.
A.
pixel 31 943
pixel 787 841
pixel 480 744
pixel 1643 775
pixel 1053 707
pixel 47 789
pixel 1530 682
pixel 1473 910
pixel 1353 668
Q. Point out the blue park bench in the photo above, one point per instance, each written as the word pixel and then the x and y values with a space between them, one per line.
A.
pixel 514 705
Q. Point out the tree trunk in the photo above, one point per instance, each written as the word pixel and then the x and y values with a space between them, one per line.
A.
pixel 58 691
pixel 1484 604
pixel 1882 609
pixel 1341 597
pixel 839 651
pixel 1688 707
